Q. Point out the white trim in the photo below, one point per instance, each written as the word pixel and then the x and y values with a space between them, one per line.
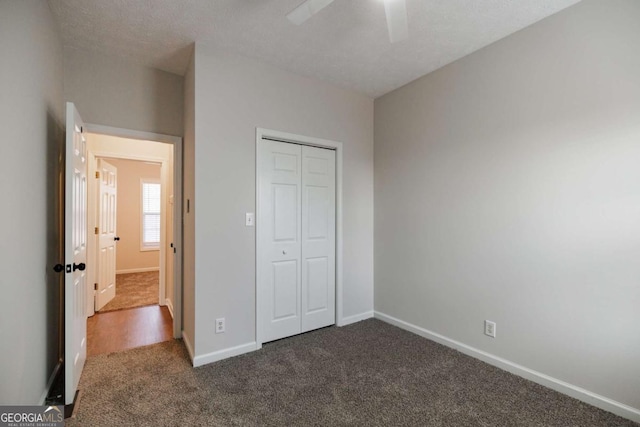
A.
pixel 137 270
pixel 169 305
pixel 356 318
pixel 92 240
pixel 177 206
pixel 187 344
pixel 576 392
pixel 315 142
pixel 223 354
pixel 52 378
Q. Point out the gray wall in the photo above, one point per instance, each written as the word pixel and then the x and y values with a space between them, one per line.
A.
pixel 508 188
pixel 233 96
pixel 115 92
pixel 32 120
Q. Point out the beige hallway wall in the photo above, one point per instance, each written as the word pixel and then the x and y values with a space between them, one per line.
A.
pixel 129 255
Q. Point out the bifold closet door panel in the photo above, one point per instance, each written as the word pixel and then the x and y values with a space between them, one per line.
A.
pixel 318 237
pixel 279 284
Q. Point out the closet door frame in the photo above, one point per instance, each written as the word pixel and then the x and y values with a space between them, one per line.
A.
pixel 268 134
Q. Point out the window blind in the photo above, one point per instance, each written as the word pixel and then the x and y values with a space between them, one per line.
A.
pixel 150 214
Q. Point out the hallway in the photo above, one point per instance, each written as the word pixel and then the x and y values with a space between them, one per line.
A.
pixel 124 329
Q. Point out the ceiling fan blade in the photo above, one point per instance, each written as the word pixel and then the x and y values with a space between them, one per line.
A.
pixel 307 9
pixel 396 11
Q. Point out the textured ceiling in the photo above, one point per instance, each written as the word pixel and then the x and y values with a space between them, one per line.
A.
pixel 346 43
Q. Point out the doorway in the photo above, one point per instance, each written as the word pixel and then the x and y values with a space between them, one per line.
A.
pixel 132 237
pixel 131 243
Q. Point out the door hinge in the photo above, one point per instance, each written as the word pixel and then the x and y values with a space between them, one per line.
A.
pixel 95 286
pixel 95 230
pixel 81 129
pixel 97 174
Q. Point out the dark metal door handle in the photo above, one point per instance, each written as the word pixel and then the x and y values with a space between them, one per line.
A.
pixel 80 266
pixel 116 239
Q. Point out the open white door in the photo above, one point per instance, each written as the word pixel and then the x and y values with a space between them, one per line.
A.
pixel 107 238
pixel 75 246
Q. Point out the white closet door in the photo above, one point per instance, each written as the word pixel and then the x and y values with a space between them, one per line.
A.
pixel 279 239
pixel 318 238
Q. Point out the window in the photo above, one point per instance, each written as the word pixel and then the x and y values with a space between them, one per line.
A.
pixel 150 215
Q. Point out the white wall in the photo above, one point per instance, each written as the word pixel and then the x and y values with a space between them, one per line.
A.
pixel 32 122
pixel 114 92
pixel 233 96
pixel 508 188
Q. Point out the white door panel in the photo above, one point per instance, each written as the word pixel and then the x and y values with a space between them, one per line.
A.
pixel 279 239
pixel 107 208
pixel 75 298
pixel 296 239
pixel 317 279
pixel 285 290
pixel 318 237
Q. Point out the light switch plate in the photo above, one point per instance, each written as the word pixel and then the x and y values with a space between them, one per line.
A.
pixel 249 219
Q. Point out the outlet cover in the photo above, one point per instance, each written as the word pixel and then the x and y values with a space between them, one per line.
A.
pixel 490 328
pixel 220 325
pixel 249 219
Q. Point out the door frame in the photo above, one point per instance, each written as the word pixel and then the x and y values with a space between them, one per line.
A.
pixel 291 138
pixel 177 204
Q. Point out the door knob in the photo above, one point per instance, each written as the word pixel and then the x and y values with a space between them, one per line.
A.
pixel 116 239
pixel 80 266
pixel 58 268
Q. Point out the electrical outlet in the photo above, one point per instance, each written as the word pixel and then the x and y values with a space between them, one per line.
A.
pixel 220 325
pixel 490 328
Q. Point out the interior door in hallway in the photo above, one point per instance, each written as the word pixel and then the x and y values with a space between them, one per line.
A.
pixel 107 236
pixel 75 243
pixel 296 239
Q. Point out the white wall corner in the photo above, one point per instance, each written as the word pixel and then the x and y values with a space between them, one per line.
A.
pixel 576 392
pixel 355 318
pixel 224 354
pixel 187 343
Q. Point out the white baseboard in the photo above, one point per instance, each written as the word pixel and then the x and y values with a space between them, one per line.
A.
pixel 50 382
pixel 137 270
pixel 553 383
pixel 224 354
pixel 169 305
pixel 187 344
pixel 355 318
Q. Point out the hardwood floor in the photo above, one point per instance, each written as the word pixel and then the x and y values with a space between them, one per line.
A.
pixel 123 329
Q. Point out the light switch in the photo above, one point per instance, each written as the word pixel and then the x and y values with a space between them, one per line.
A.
pixel 249 219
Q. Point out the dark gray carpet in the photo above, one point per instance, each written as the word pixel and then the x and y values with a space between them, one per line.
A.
pixel 365 374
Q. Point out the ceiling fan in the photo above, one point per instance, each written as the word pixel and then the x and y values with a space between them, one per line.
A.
pixel 396 11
